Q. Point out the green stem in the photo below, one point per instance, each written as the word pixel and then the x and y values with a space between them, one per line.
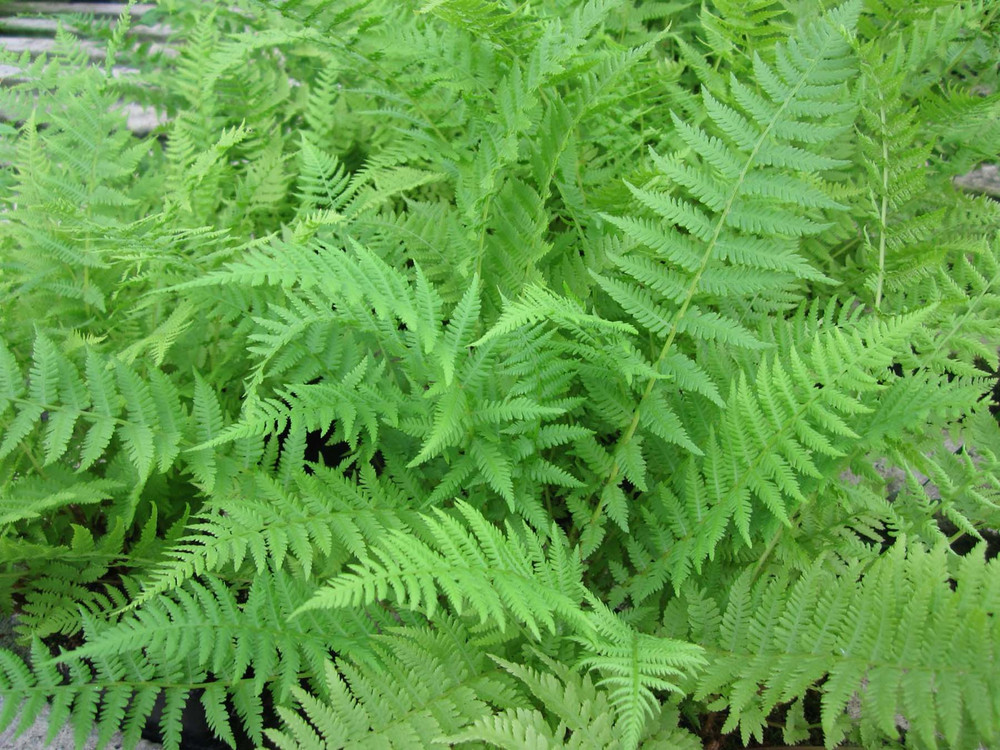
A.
pixel 693 286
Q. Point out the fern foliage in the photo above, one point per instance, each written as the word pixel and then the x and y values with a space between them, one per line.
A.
pixel 872 637
pixel 575 373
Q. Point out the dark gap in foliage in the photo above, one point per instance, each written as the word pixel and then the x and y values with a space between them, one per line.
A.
pixel 993 396
pixel 319 449
pixel 354 158
pixel 558 225
pixel 966 543
pixel 884 536
pixel 196 734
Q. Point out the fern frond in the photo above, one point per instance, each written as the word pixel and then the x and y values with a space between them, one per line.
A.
pixel 320 523
pixel 970 287
pixel 228 636
pixel 502 577
pixel 634 665
pixel 870 637
pixel 756 140
pixel 449 685
pixel 481 569
pixel 734 27
pixel 200 637
pixel 895 160
pixel 716 219
pixel 108 396
pixel 794 413
pixel 65 583
pixel 584 714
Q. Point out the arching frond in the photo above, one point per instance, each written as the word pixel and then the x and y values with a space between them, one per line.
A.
pixel 870 641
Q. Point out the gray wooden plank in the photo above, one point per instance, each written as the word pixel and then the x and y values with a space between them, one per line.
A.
pixel 35 46
pixel 40 45
pixel 98 9
pixel 139 119
pixel 12 74
pixel 49 25
pixel 984 179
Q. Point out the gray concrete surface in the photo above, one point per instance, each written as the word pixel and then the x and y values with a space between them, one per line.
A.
pixel 34 738
pixel 984 179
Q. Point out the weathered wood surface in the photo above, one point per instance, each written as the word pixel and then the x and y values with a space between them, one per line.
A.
pixel 30 27
pixel 35 46
pixel 15 25
pixel 985 179
pixel 45 8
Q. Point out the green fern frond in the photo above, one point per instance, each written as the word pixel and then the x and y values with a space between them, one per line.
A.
pixel 736 27
pixel 489 19
pixel 970 287
pixel 108 397
pixel 63 584
pixel 502 577
pixel 480 569
pixel 584 714
pixel 794 413
pixel 895 160
pixel 716 218
pixel 876 638
pixel 449 684
pixel 341 409
pixel 228 636
pixel 634 665
pixel 125 664
pixel 322 522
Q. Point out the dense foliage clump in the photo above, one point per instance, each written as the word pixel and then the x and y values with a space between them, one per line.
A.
pixel 504 374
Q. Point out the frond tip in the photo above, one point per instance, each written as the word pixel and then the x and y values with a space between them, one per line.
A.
pixel 633 665
pixel 498 576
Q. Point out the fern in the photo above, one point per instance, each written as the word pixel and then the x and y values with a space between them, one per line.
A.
pixel 450 684
pixel 499 578
pixel 323 521
pixel 785 422
pixel 236 648
pixel 479 569
pixel 582 712
pixel 722 222
pixel 111 398
pixel 876 638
